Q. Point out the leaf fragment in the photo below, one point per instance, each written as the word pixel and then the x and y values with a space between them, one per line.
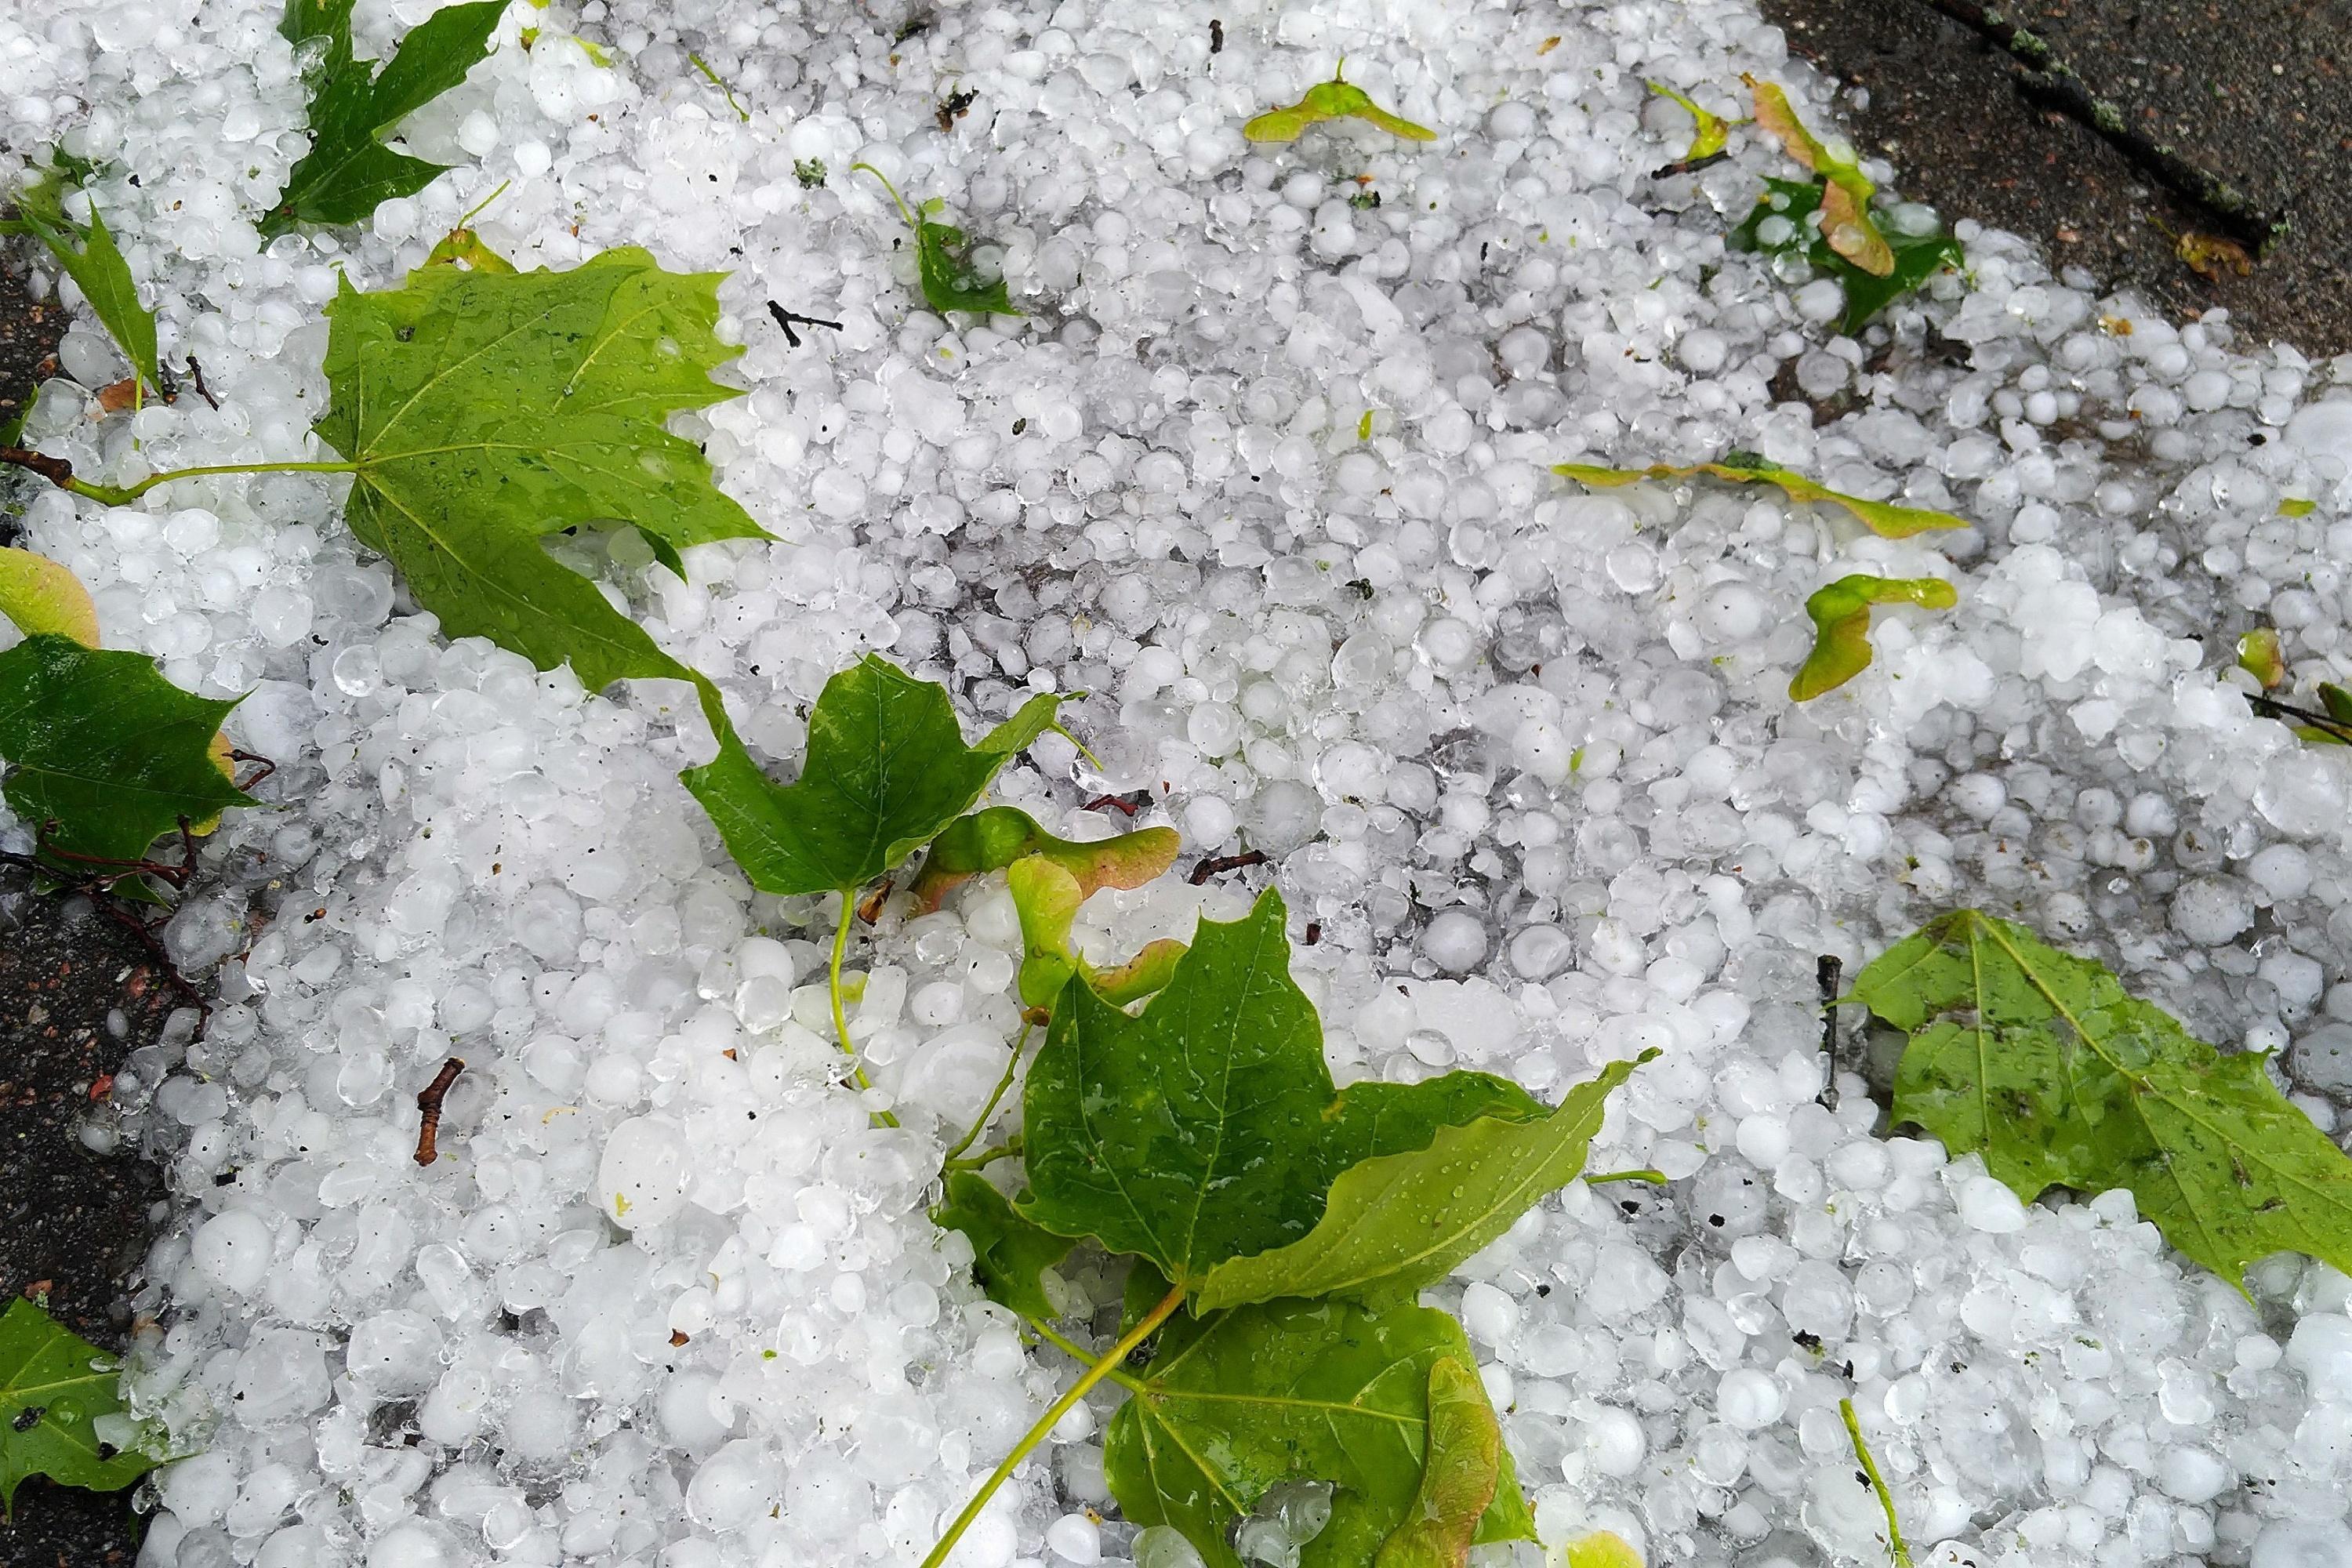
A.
pixel 44 595
pixel 103 746
pixel 485 412
pixel 1845 198
pixel 1337 98
pixel 1601 1550
pixel 2260 656
pixel 1395 1222
pixel 942 264
pixel 1009 1254
pixel 1238 1402
pixel 1917 257
pixel 2045 1065
pixel 887 769
pixel 90 256
pixel 1882 517
pixel 54 1387
pixel 1462 1463
pixel 1841 617
pixel 355 108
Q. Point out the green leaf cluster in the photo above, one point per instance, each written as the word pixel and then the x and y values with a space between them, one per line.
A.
pixel 90 256
pixel 2042 1062
pixel 54 1387
pixel 1913 257
pixel 1294 1222
pixel 356 106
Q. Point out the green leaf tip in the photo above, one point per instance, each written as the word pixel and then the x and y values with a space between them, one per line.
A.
pixel 1882 517
pixel 356 107
pixel 1845 201
pixel 1841 617
pixel 88 254
pixel 54 1386
pixel 2043 1064
pixel 1461 1468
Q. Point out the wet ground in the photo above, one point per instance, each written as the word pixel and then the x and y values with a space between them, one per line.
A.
pixel 2256 92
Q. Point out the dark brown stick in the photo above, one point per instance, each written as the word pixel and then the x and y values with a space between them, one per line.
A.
pixel 2270 707
pixel 57 470
pixel 197 372
pixel 1825 974
pixel 1113 802
pixel 428 1108
pixel 1216 864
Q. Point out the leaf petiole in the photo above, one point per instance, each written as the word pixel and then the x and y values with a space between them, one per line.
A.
pixel 1079 1352
pixel 1011 1065
pixel 61 474
pixel 1641 1175
pixel 1900 1552
pixel 841 1013
pixel 986 1157
pixel 904 211
pixel 1108 1363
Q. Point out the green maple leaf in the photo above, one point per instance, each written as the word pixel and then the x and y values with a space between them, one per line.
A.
pixel 1841 617
pixel 483 411
pixel 88 253
pixel 349 172
pixel 1396 1222
pixel 103 746
pixel 1206 1127
pixel 1917 256
pixel 1240 1402
pixel 887 770
pixel 54 1385
pixel 1461 1470
pixel 1008 1252
pixel 2042 1062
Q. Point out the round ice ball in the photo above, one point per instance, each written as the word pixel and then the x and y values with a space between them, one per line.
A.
pixel 2303 1543
pixel 233 1250
pixel 642 1180
pixel 1454 941
pixel 734 1486
pixel 398 1352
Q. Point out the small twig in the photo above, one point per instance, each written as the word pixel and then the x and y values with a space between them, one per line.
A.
pixel 196 373
pixel 2271 708
pixel 1654 1177
pixel 174 877
pixel 268 768
pixel 428 1108
pixel 1894 1547
pixel 2051 82
pixel 1690 166
pixel 1130 805
pixel 786 318
pixel 57 470
pixel 728 92
pixel 1216 863
pixel 1826 974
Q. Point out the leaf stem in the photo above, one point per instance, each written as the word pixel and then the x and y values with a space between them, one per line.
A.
pixel 704 66
pixel 904 211
pixel 1078 1352
pixel 1645 1174
pixel 1901 1553
pixel 986 1157
pixel 1011 1065
pixel 1102 1367
pixel 58 473
pixel 841 1013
